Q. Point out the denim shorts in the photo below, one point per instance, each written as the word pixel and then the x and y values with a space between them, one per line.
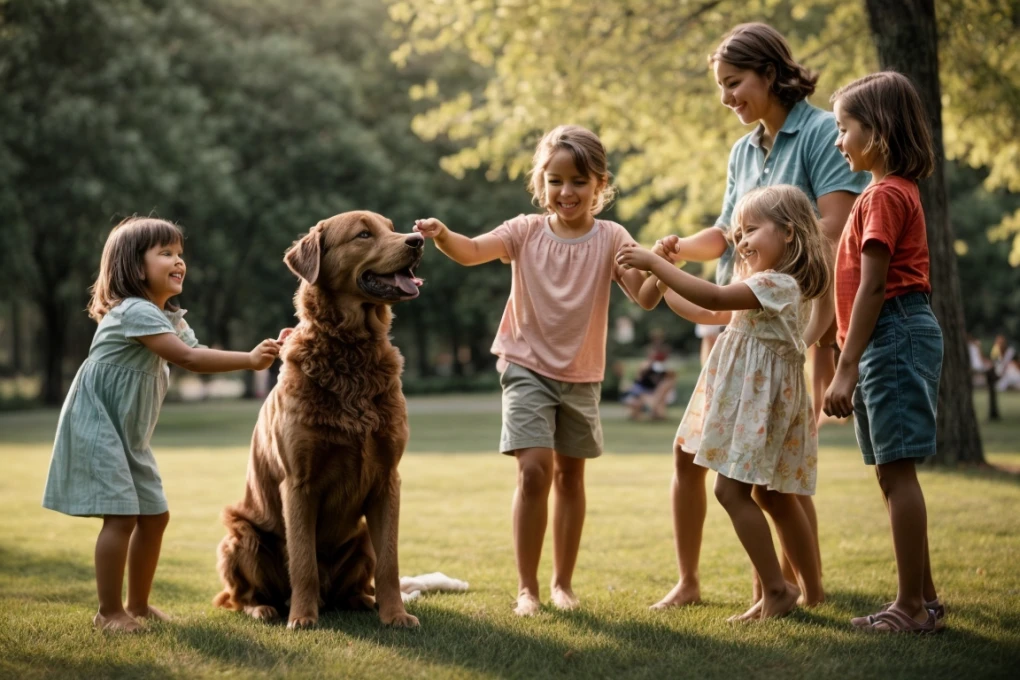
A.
pixel 898 389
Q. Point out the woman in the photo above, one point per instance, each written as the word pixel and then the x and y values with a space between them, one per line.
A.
pixel 793 143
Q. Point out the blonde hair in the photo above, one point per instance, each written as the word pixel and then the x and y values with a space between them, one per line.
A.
pixel 589 158
pixel 122 267
pixel 887 105
pixel 808 255
pixel 760 48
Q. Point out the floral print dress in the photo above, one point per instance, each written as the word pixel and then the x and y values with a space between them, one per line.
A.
pixel 750 416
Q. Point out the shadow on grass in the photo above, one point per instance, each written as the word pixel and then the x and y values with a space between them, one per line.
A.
pixel 43 664
pixel 45 578
pixel 228 645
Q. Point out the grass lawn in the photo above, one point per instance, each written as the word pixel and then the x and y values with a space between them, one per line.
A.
pixel 455 519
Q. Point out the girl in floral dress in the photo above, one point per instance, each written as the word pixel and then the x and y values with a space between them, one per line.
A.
pixel 750 417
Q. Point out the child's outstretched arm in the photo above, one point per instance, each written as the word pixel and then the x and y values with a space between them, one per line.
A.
pixel 205 360
pixel 686 309
pixel 702 293
pixel 459 248
pixel 707 244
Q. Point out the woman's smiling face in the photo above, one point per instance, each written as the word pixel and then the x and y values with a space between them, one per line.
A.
pixel 742 90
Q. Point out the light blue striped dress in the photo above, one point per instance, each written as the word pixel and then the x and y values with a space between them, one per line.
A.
pixel 102 463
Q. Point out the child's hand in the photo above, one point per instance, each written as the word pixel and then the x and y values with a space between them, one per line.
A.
pixel 264 354
pixel 839 398
pixel 429 228
pixel 670 247
pixel 633 255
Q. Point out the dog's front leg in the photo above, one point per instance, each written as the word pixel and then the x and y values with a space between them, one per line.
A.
pixel 300 513
pixel 383 519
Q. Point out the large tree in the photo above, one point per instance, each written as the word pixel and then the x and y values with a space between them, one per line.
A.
pixel 636 72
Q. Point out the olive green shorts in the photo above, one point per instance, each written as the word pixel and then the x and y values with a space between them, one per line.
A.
pixel 544 412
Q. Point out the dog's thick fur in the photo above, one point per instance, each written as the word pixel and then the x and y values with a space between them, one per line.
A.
pixel 318 523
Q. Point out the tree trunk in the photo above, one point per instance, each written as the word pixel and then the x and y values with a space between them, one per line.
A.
pixel 54 334
pixel 907 40
pixel 17 353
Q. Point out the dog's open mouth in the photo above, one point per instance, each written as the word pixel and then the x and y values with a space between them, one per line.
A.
pixel 399 285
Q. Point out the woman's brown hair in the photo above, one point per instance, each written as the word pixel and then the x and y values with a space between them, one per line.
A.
pixel 887 105
pixel 122 267
pixel 760 48
pixel 589 158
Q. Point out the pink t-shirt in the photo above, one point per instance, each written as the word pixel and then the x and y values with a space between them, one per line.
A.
pixel 557 317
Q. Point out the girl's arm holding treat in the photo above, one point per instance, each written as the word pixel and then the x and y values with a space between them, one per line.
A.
pixel 702 293
pixel 205 360
pixel 459 248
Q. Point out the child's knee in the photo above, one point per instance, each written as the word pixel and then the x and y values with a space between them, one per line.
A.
pixel 534 480
pixel 684 465
pixel 569 482
pixel 731 493
pixel 154 522
pixel 896 476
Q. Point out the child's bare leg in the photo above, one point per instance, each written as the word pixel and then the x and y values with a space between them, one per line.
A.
pixel 111 556
pixel 568 520
pixel 930 592
pixel 143 556
pixel 690 505
pixel 909 519
pixel 807 504
pixel 778 597
pixel 530 512
pixel 795 536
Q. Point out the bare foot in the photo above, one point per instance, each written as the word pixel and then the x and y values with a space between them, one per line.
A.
pixel 752 614
pixel 774 606
pixel 564 598
pixel 116 623
pixel 681 596
pixel 527 604
pixel 150 613
pixel 803 600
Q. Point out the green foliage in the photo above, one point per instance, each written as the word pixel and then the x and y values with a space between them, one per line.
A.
pixel 636 72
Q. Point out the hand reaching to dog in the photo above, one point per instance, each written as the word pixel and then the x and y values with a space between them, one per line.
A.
pixel 430 227
pixel 265 353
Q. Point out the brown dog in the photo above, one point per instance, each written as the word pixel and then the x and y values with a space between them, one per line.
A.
pixel 319 517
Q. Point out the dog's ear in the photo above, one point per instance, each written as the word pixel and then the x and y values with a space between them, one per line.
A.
pixel 303 257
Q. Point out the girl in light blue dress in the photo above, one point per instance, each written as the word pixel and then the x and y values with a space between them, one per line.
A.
pixel 102 465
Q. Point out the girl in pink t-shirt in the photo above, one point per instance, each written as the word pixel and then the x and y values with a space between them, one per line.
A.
pixel 553 341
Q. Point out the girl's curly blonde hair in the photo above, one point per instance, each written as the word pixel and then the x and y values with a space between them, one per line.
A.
pixel 808 256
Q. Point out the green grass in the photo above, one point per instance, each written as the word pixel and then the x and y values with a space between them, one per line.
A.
pixel 455 518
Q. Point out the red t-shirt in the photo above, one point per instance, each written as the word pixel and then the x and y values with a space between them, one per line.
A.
pixel 890 213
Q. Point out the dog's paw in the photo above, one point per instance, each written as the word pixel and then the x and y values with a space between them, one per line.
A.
pixel 263 612
pixel 299 622
pixel 400 620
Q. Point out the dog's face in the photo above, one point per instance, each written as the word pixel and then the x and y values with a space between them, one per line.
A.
pixel 359 254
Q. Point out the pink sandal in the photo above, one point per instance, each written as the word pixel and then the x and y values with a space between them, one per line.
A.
pixel 935 606
pixel 895 621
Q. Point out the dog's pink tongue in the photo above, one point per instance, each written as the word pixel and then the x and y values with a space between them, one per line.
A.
pixel 405 283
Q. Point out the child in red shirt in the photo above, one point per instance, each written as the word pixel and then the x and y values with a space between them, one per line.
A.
pixel 891 360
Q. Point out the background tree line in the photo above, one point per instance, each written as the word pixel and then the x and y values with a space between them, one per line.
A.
pixel 249 121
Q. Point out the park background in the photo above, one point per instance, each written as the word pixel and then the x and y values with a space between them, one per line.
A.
pixel 248 121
